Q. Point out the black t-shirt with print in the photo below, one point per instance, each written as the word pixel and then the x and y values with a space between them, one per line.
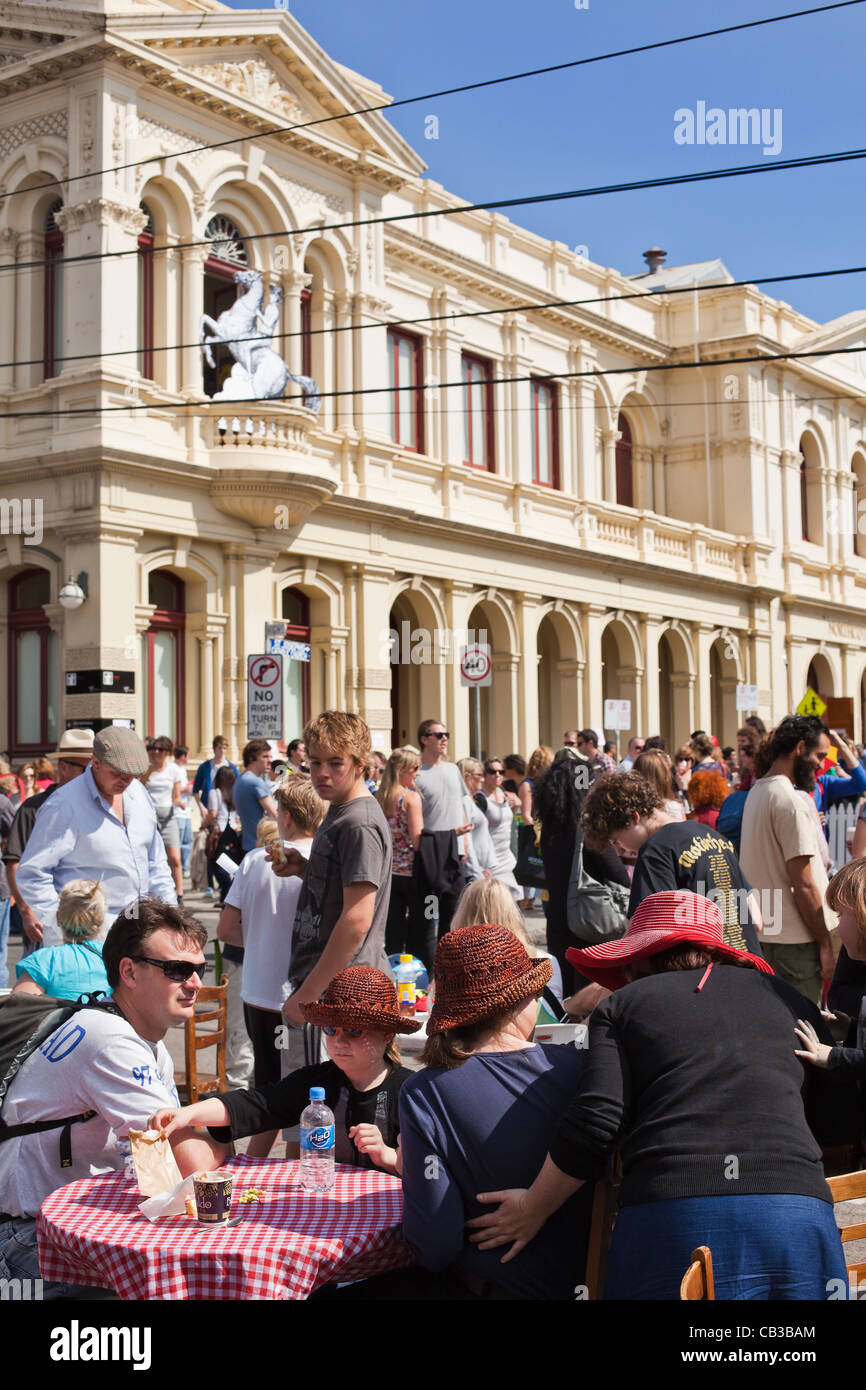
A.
pixel 283 1102
pixel 694 857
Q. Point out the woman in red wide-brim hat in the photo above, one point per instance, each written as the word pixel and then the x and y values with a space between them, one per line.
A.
pixel 692 1072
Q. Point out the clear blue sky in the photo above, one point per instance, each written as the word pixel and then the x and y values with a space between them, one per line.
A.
pixel 615 121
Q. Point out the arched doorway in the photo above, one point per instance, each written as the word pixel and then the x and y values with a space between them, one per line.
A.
pixel 624 464
pixel 497 702
pixel 418 659
pixel 676 686
pixel 819 677
pixel 559 667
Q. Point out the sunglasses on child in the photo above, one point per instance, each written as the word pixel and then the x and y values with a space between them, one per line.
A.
pixel 177 970
pixel 331 1032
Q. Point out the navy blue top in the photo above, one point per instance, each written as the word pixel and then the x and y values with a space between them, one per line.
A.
pixel 483 1127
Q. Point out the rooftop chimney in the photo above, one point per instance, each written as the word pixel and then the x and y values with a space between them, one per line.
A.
pixel 655 259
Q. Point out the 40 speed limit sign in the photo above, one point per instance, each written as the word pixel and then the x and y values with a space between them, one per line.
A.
pixel 476 667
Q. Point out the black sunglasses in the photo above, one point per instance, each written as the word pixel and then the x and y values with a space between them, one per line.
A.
pixel 330 1031
pixel 177 970
pixel 444 734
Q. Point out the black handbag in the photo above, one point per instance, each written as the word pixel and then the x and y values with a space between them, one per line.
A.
pixel 529 869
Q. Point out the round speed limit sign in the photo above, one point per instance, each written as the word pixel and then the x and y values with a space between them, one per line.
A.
pixel 476 667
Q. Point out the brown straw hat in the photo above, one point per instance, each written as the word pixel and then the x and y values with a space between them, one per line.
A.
pixel 360 997
pixel 481 971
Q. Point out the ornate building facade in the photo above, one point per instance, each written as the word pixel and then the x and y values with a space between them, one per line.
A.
pixel 618 526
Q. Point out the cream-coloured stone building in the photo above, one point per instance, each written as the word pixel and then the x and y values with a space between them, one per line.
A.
pixel 652 534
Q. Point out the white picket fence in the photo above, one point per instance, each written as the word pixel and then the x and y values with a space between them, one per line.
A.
pixel 841 817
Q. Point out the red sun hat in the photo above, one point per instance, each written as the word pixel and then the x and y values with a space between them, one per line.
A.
pixel 662 921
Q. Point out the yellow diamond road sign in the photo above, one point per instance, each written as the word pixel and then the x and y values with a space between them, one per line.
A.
pixel 811 703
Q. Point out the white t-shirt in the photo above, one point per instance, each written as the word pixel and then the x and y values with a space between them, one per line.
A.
pixel 161 785
pixel 267 907
pixel 95 1061
pixel 217 804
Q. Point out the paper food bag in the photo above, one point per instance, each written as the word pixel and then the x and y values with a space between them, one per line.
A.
pixel 178 1201
pixel 155 1165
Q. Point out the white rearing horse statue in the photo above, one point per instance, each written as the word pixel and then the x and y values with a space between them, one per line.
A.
pixel 259 372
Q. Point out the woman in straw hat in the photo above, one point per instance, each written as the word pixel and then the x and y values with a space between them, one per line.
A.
pixel 75 968
pixel 691 1070
pixel 359 1018
pixel 483 1113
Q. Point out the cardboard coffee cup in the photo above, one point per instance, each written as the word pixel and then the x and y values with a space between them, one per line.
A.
pixel 213 1195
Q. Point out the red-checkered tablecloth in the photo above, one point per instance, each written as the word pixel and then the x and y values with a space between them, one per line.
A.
pixel 91 1232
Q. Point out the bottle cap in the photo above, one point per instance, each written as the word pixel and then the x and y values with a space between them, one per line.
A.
pixel 317 1093
pixel 405 959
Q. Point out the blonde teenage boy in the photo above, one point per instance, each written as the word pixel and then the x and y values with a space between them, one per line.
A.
pixel 343 904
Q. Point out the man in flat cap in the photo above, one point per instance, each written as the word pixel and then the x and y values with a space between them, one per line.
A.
pixel 101 826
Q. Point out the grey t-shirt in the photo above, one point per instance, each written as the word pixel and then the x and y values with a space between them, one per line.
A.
pixel 442 791
pixel 352 845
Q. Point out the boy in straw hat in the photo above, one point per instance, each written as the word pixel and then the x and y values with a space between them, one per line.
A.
pixel 359 1018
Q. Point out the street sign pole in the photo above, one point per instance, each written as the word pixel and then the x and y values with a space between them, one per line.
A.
pixel 477 694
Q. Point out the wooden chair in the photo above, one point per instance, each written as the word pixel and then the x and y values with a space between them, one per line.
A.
pixel 848 1188
pixel 698 1279
pixel 191 1083
pixel 605 1205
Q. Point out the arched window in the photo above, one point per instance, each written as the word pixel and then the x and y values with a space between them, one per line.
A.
pixel 296 674
pixel 145 295
pixel 228 253
pixel 624 464
pixel 34 674
pixel 52 301
pixel 804 501
pixel 162 658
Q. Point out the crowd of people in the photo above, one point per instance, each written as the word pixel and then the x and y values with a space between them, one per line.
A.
pixel 691 911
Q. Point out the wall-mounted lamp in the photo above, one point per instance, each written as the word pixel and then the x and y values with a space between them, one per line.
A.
pixel 74 591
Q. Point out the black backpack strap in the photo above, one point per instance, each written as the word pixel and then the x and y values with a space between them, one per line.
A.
pixel 40 1126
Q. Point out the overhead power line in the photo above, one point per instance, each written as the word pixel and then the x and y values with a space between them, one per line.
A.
pixel 455 91
pixel 243 407
pixel 418 215
pixel 461 314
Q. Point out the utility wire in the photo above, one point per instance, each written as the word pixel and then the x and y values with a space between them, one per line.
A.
pixel 451 317
pixel 452 91
pixel 242 407
pixel 736 171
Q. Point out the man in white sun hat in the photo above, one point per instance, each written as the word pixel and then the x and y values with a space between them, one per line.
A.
pixel 101 826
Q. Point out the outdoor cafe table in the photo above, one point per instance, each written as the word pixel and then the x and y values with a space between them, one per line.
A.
pixel 91 1232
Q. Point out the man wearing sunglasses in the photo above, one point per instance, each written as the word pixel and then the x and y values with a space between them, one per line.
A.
pixel 442 791
pixel 110 1064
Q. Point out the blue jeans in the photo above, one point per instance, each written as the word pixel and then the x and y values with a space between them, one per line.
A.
pixel 763 1247
pixel 19 1260
pixel 5 912
pixel 184 825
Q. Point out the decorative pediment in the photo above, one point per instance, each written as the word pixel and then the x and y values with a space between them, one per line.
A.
pixel 256 81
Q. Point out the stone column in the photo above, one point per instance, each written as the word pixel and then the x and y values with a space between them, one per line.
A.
pixel 369 619
pixel 27 289
pixel 342 405
pixel 527 706
pixel 594 616
pixel 649 718
pixel 504 701
pixel 192 296
pixel 167 365
pixel 459 602
pixel 93 291
pixel 10 329
pixel 704 635
pixel 610 438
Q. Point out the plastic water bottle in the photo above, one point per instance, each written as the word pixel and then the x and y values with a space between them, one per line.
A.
pixel 123 1149
pixel 406 972
pixel 317 1144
